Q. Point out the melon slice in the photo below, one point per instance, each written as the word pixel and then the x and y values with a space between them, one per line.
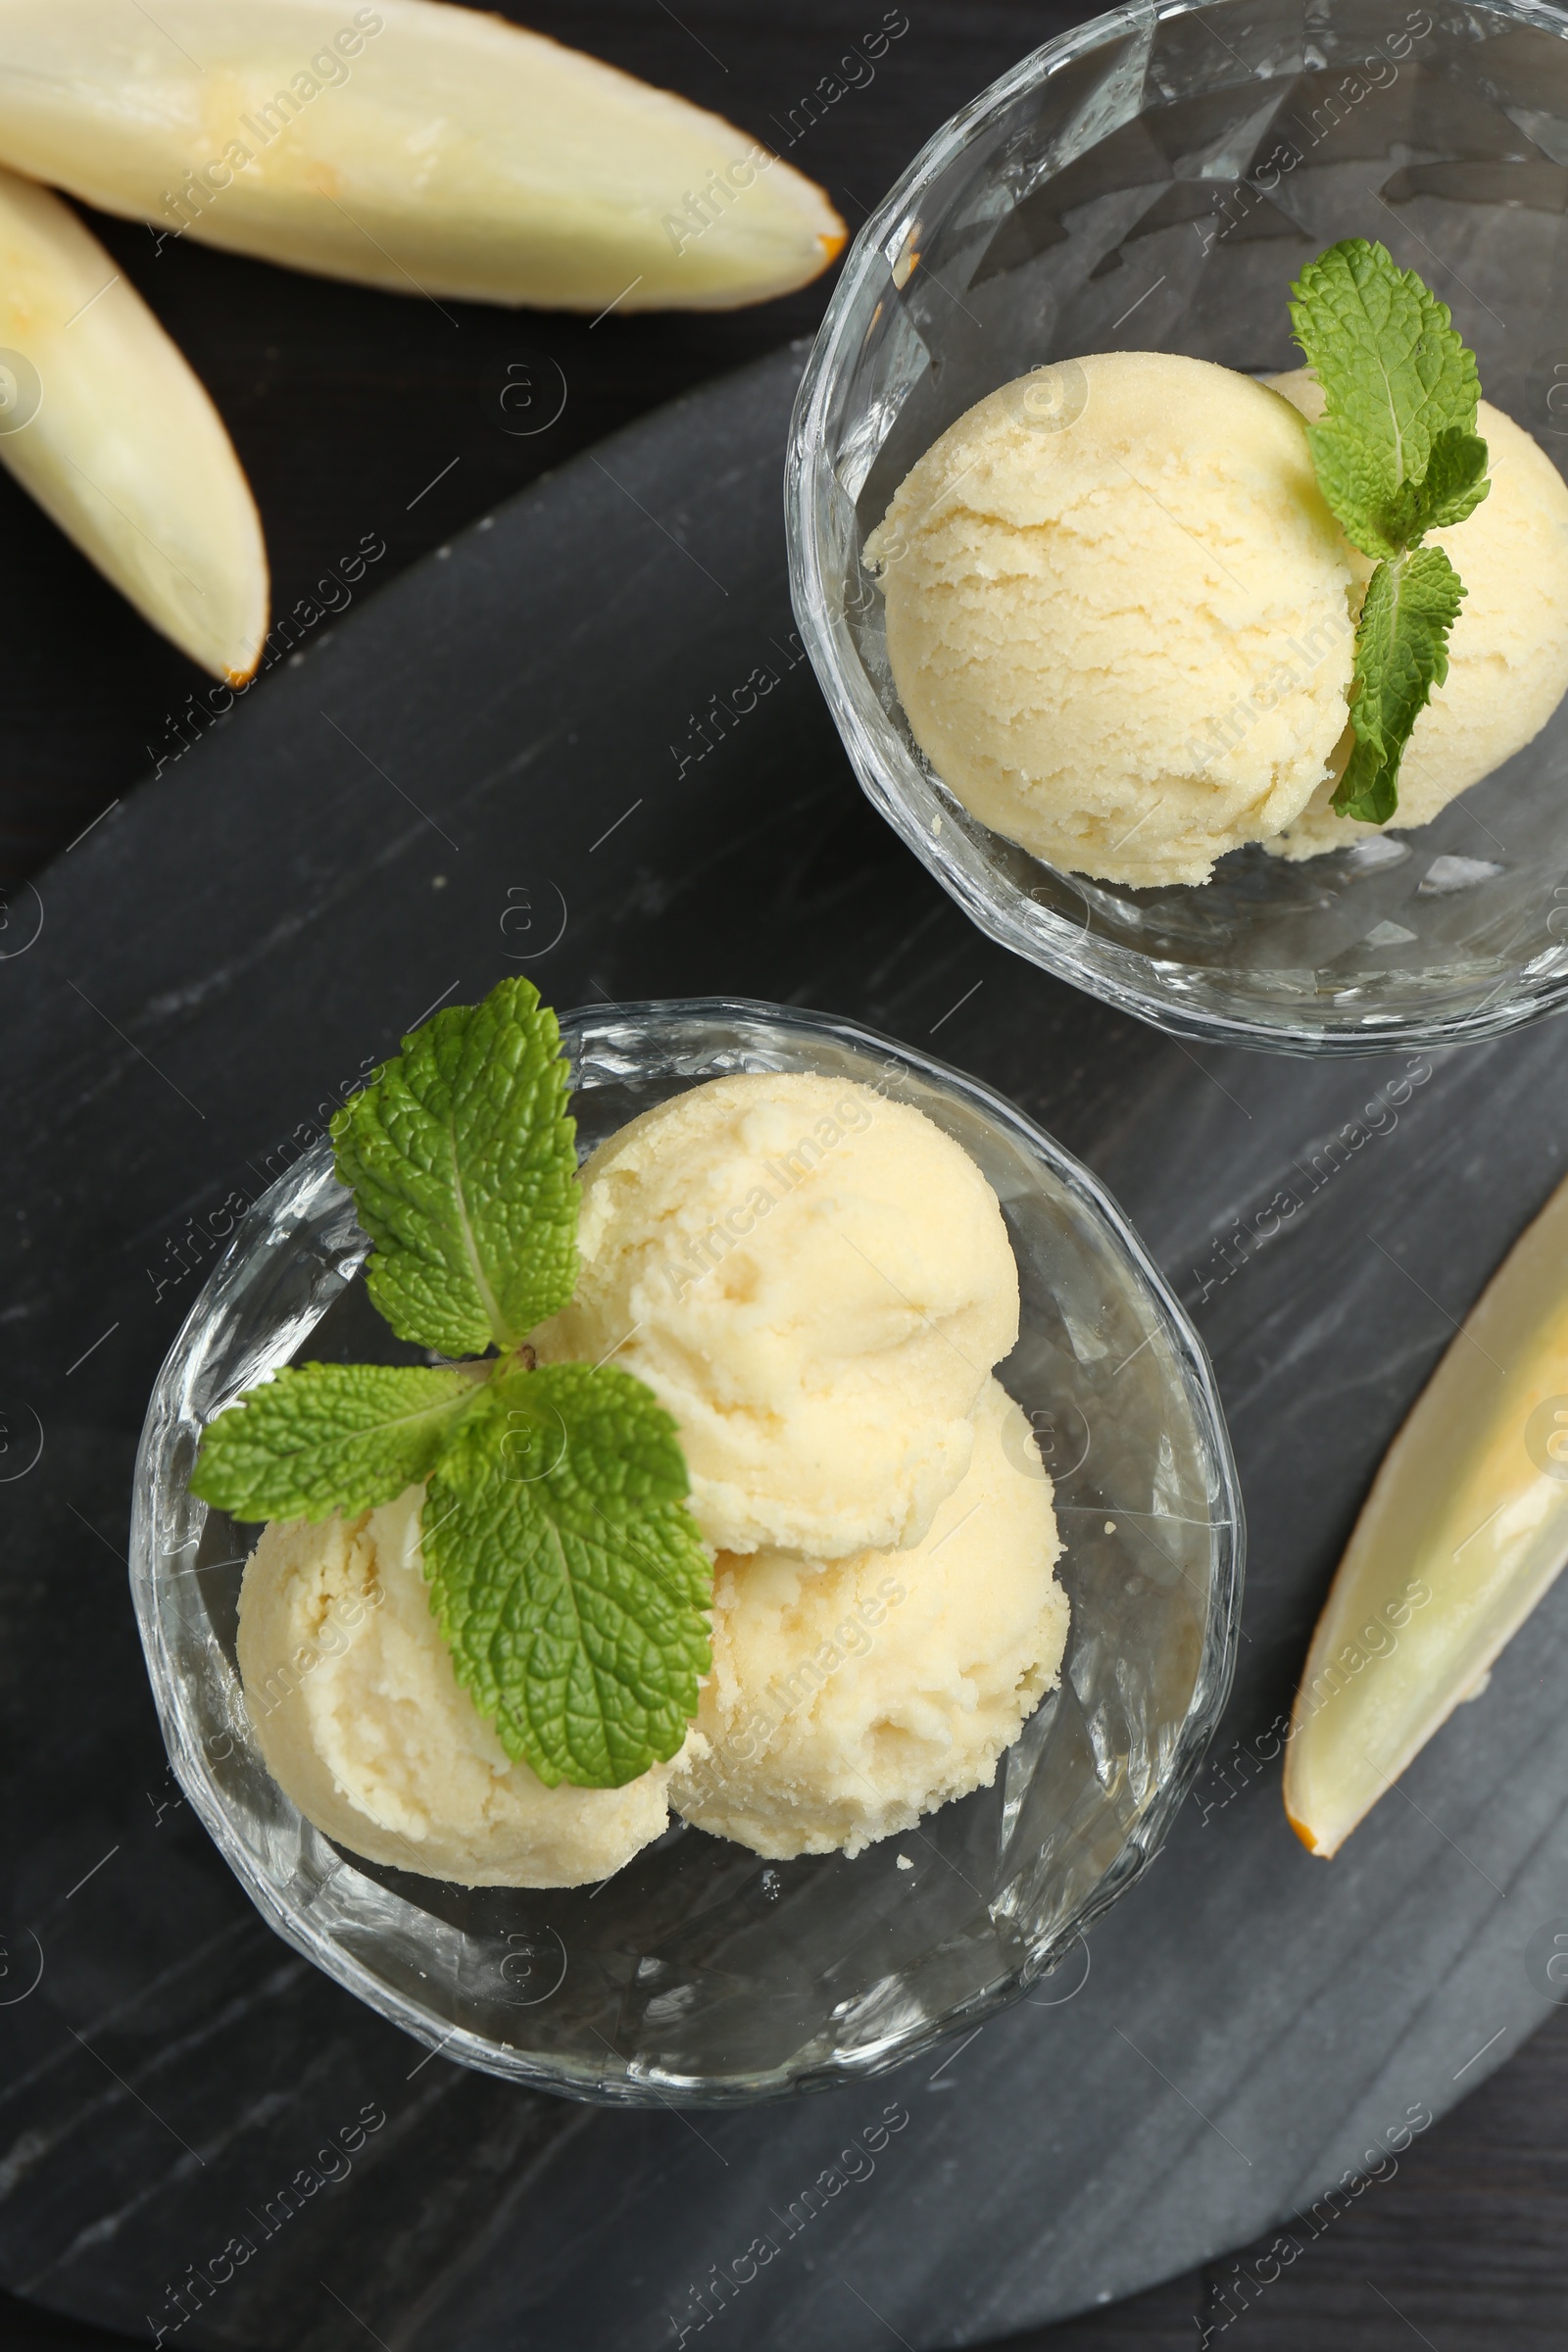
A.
pixel 417 147
pixel 1465 1528
pixel 103 423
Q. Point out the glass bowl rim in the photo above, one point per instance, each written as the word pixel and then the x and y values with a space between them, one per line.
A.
pixel 1220 1626
pixel 808 469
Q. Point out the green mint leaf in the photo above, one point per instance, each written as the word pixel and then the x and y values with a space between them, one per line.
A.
pixel 325 1437
pixel 1455 483
pixel 568 1576
pixel 1353 479
pixel 1401 654
pixel 1367 789
pixel 1396 376
pixel 461 1158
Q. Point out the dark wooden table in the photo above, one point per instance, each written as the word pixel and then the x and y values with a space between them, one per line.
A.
pixel 361 415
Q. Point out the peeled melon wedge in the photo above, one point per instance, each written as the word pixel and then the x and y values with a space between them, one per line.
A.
pixel 102 421
pixel 1465 1528
pixel 421 148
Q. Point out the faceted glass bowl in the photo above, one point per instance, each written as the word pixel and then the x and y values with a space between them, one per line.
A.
pixel 700 1971
pixel 1154 180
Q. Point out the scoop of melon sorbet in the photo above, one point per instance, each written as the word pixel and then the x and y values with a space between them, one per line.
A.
pixel 851 1697
pixel 1120 614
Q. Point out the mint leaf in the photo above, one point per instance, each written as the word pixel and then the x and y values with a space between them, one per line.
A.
pixel 1396 376
pixel 461 1158
pixel 1454 482
pixel 1401 654
pixel 325 1437
pixel 1396 456
pixel 1354 481
pixel 568 1576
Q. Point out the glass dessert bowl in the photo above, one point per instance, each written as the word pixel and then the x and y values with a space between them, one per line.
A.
pixel 1153 181
pixel 699 1971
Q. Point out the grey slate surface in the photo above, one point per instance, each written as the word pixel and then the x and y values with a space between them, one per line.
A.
pixel 213 961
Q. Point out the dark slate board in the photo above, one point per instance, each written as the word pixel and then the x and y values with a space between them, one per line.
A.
pixel 510 729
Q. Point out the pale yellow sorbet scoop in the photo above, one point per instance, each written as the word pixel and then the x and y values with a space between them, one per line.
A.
pixel 815 1281
pixel 351 1692
pixel 1120 614
pixel 850 1698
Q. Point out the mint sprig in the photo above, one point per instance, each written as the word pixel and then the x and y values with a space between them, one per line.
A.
pixel 1396 455
pixel 566 1573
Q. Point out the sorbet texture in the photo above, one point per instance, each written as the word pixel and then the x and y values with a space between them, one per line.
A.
pixel 363 1723
pixel 1508 650
pixel 851 1697
pixel 816 1282
pixel 1086 569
